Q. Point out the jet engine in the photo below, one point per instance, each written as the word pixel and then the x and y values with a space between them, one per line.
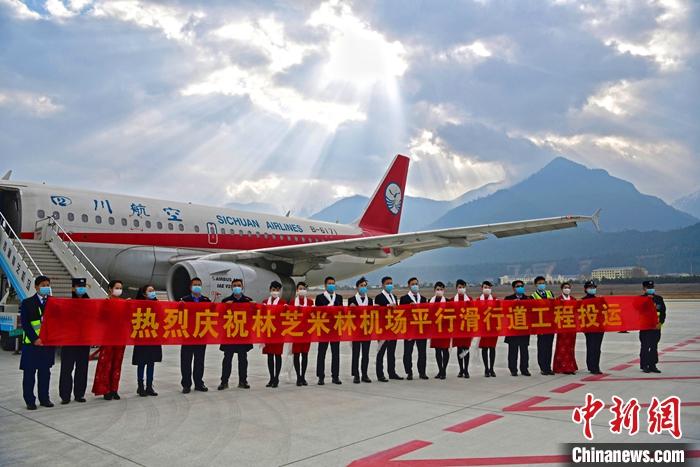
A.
pixel 216 279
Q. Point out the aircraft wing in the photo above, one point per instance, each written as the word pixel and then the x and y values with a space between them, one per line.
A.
pixel 414 242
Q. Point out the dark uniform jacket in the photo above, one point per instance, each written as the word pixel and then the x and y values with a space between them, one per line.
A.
pixel 660 307
pixel 34 356
pixel 236 347
pixel 514 339
pixel 352 301
pixel 381 299
pixel 406 300
pixel 321 300
pixel 144 354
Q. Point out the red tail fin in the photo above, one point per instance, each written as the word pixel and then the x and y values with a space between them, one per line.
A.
pixel 383 213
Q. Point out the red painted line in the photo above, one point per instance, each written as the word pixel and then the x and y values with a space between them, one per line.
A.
pixel 525 405
pixel 622 366
pixel 383 457
pixel 531 405
pixel 679 361
pixel 473 423
pixel 640 378
pixel 669 349
pixel 469 461
pixel 687 350
pixel 636 360
pixel 567 387
pixel 594 377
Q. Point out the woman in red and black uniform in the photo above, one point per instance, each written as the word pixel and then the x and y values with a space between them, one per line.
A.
pixel 301 349
pixel 441 346
pixel 462 343
pixel 565 351
pixel 146 356
pixel 274 351
pixel 488 344
pixel 109 364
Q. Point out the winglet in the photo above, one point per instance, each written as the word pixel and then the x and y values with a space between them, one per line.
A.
pixel 595 218
pixel 7 175
pixel 383 212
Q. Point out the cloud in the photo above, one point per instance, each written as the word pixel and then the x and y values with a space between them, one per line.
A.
pixel 445 174
pixel 20 10
pixel 174 22
pixel 36 105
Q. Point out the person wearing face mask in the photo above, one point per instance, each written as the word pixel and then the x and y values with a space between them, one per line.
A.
pixel 518 344
pixel 109 365
pixel 328 298
pixel 544 341
pixel 565 351
pixel 241 350
pixel 146 356
pixel 37 359
pixel 74 357
pixel 488 344
pixel 441 346
pixel 360 299
pixel 300 350
pixel 274 351
pixel 412 297
pixel 462 343
pixel 594 340
pixel 192 356
pixel 386 347
pixel 649 338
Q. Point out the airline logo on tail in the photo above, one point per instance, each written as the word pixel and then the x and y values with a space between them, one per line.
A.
pixel 392 198
pixel 387 197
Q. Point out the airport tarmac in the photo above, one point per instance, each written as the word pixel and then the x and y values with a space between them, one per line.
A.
pixel 476 421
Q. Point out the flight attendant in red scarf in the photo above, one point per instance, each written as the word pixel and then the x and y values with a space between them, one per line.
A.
pixel 109 365
pixel 441 346
pixel 565 351
pixel 274 351
pixel 488 344
pixel 463 343
pixel 301 349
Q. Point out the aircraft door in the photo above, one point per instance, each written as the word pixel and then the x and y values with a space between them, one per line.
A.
pixel 212 234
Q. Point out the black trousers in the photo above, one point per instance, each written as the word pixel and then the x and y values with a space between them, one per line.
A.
pixel 29 379
pixel 442 358
pixel 594 341
pixel 388 348
pixel 227 364
pixel 518 345
pixel 648 352
pixel 321 359
pixel 357 348
pixel 408 345
pixel 192 365
pixel 544 351
pixel 73 358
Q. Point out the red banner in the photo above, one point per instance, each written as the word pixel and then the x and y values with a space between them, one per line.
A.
pixel 129 322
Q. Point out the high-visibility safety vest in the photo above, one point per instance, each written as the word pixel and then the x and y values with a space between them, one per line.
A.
pixel 36 324
pixel 548 293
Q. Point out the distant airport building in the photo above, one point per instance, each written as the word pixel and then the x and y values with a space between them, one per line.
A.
pixel 627 272
pixel 529 279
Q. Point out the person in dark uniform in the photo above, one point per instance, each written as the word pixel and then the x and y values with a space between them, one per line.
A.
pixel 544 341
pixel 239 349
pixel 360 299
pixel 74 357
pixel 37 358
pixel 518 344
pixel 274 351
pixel 594 340
pixel 649 338
pixel 192 356
pixel 146 356
pixel 328 298
pixel 414 296
pixel 388 347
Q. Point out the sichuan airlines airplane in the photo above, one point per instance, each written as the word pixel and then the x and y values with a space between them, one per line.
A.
pixel 143 240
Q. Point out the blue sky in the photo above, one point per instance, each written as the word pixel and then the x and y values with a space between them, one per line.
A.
pixel 298 103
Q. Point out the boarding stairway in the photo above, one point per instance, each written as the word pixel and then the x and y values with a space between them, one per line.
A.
pixel 52 253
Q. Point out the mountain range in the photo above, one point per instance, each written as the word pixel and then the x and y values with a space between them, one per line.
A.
pixel 637 229
pixel 689 203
